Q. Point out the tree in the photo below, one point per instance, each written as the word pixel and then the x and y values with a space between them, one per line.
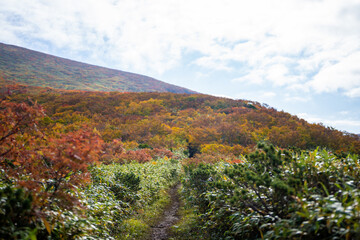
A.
pixel 48 164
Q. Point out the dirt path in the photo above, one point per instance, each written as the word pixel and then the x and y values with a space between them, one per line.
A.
pixel 170 216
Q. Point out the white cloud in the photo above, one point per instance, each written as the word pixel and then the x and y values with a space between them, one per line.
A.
pixel 348 125
pixel 280 42
pixel 251 78
pixel 299 87
pixel 259 96
pixel 353 93
pixel 344 75
pixel 296 98
pixel 213 64
pixel 269 94
pixel 278 74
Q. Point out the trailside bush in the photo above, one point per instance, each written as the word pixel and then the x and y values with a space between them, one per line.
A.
pixel 119 192
pixel 16 214
pixel 198 181
pixel 278 194
pixel 125 187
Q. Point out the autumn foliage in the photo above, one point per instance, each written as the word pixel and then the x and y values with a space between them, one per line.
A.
pixel 50 165
pixel 115 152
pixel 50 138
pixel 175 121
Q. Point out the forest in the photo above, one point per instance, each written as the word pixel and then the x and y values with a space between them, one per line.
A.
pixel 98 165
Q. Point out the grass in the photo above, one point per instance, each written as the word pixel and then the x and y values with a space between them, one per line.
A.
pixel 139 226
pixel 134 229
pixel 188 226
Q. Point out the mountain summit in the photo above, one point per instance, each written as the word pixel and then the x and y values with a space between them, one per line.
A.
pixel 39 69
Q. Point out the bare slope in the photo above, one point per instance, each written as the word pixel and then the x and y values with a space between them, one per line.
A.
pixel 38 69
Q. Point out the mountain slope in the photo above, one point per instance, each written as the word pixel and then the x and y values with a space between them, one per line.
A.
pixel 195 122
pixel 38 69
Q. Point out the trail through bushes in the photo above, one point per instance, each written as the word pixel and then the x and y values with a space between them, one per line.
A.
pixel 170 216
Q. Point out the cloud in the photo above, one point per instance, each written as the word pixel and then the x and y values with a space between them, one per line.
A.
pixel 254 77
pixel 269 94
pixel 353 93
pixel 341 75
pixel 213 64
pixel 284 43
pixel 258 95
pixel 349 124
pixel 296 98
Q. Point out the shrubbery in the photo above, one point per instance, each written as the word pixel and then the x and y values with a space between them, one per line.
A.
pixel 120 193
pixel 277 194
pixel 47 190
pixel 115 152
pixel 16 215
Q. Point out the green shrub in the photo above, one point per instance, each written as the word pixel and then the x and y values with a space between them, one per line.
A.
pixel 17 219
pixel 121 193
pixel 278 194
pixel 134 229
pixel 125 187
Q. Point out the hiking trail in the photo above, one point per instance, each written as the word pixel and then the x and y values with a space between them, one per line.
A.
pixel 170 216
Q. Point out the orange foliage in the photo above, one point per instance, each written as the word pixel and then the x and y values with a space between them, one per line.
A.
pixel 178 120
pixel 140 156
pixel 115 152
pixel 160 153
pixel 111 151
pixel 48 165
pixel 210 159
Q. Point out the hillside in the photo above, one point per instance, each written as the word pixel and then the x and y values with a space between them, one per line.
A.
pixel 179 121
pixel 38 69
pixel 104 165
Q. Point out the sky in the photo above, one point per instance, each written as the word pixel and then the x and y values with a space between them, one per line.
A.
pixel 299 56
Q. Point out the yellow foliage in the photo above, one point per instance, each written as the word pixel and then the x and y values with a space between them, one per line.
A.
pixel 152 101
pixel 216 149
pixel 130 145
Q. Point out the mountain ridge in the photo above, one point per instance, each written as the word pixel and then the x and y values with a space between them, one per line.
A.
pixel 35 68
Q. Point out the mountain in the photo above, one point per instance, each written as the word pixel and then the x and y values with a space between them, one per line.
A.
pixel 197 122
pixel 38 69
pixel 73 93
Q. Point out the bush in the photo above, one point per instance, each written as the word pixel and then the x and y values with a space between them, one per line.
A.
pixel 120 194
pixel 16 214
pixel 140 156
pixel 125 187
pixel 157 153
pixel 277 194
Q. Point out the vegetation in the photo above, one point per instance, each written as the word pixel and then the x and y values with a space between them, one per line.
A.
pixel 47 189
pixel 97 165
pixel 124 200
pixel 199 123
pixel 24 66
pixel 276 194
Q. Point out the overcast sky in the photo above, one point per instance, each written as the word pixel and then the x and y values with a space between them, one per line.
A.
pixel 300 56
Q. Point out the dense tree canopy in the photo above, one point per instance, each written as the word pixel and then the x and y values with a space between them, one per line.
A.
pixel 177 120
